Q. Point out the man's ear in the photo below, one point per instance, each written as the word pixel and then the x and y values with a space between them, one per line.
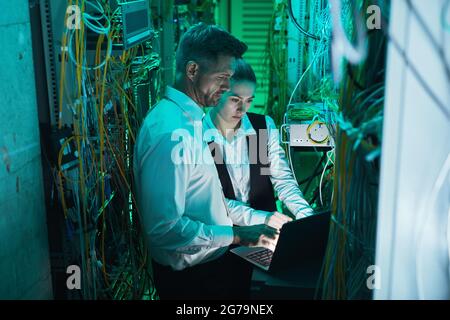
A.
pixel 192 69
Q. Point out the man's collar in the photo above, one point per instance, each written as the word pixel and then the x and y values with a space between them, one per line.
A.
pixel 185 103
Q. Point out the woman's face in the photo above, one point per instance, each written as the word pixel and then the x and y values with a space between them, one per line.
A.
pixel 235 103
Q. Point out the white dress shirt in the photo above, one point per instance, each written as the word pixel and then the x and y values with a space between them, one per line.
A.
pixel 235 153
pixel 178 190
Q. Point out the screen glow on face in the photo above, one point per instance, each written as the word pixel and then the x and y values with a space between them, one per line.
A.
pixel 213 84
pixel 237 101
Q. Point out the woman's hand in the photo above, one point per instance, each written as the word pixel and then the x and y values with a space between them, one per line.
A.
pixel 277 219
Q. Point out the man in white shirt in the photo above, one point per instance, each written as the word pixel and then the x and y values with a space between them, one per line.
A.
pixel 179 195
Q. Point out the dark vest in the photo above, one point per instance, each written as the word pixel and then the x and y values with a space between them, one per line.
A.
pixel 261 195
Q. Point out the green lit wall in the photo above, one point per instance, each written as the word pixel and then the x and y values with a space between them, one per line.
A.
pixel 250 21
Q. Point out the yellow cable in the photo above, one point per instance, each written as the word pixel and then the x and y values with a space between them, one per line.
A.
pixel 308 132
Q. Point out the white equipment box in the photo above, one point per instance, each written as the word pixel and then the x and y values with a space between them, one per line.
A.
pixel 309 134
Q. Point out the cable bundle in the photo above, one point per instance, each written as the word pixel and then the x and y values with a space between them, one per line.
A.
pixel 351 243
pixel 102 221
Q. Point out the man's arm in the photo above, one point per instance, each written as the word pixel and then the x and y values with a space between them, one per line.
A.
pixel 243 215
pixel 162 188
pixel 162 202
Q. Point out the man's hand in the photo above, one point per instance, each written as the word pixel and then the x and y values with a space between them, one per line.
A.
pixel 277 219
pixel 259 235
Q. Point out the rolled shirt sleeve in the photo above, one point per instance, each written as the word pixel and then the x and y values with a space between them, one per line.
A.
pixel 163 187
pixel 243 215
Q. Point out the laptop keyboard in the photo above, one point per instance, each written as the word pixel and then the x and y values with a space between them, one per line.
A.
pixel 263 257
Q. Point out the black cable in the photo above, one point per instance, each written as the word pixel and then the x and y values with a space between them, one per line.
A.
pixel 313 176
pixel 317 193
pixel 316 170
pixel 299 27
pixel 352 78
